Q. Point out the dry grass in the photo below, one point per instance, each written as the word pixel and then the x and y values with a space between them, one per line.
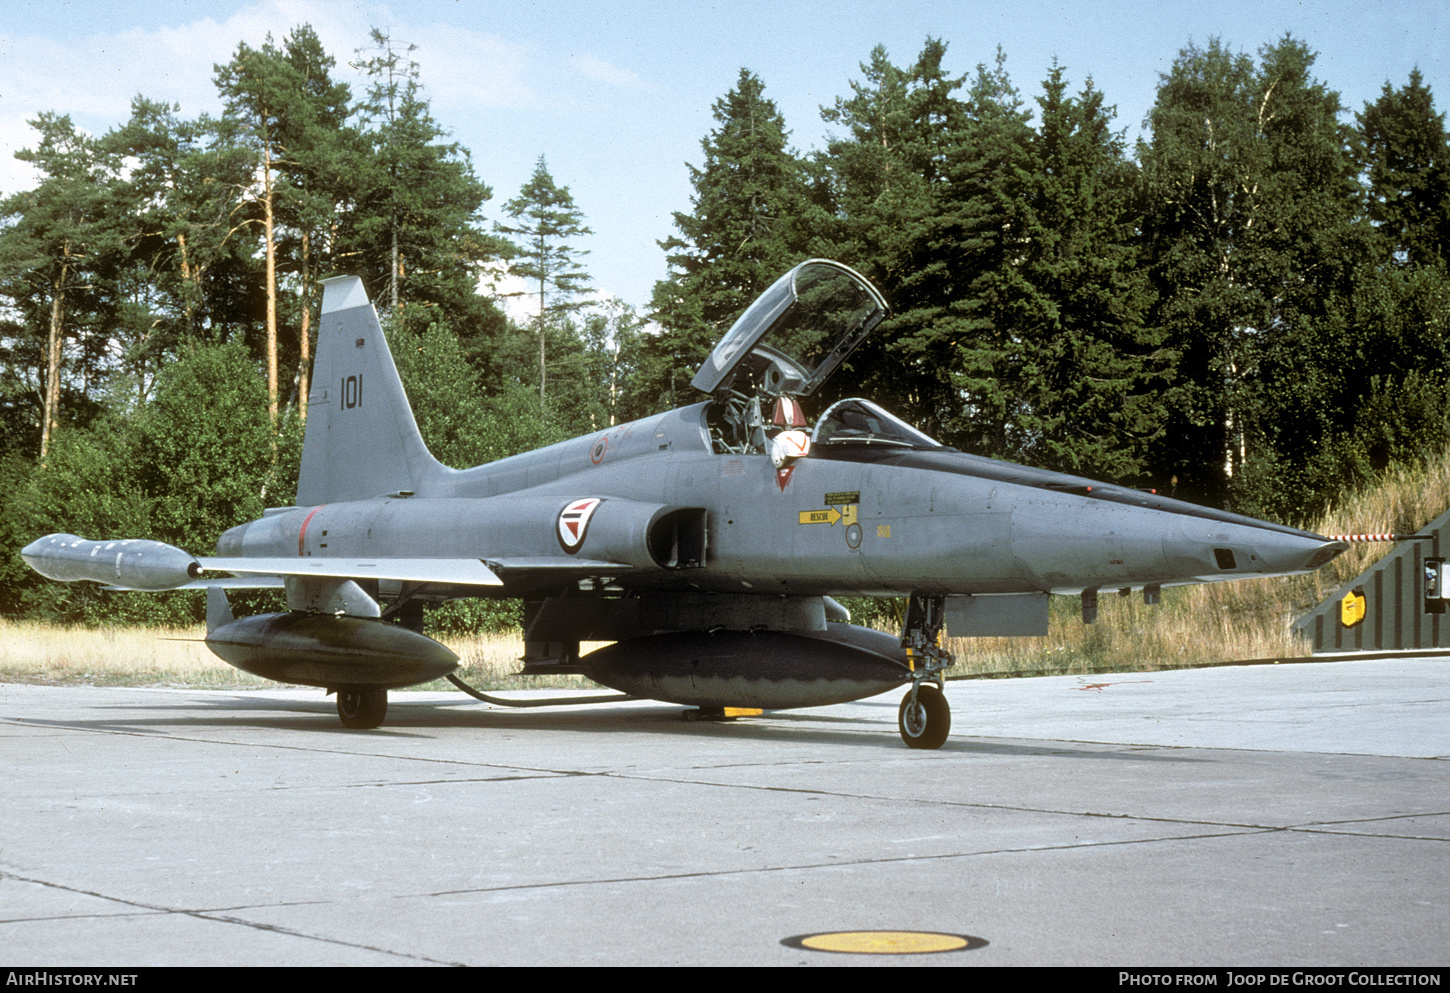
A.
pixel 1217 622
pixel 1194 625
pixel 47 654
pixel 491 661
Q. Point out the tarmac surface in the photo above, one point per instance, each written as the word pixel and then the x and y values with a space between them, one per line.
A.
pixel 1266 815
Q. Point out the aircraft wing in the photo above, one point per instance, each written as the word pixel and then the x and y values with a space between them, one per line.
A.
pixel 220 582
pixel 152 565
pixel 466 572
pixel 553 568
pixel 459 572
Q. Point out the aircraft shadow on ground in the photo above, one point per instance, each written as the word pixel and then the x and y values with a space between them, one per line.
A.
pixel 413 720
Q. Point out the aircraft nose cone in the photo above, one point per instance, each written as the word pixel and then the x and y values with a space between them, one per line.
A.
pixel 1280 553
pixel 1327 551
pixel 1229 549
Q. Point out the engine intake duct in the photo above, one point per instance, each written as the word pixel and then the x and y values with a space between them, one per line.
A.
pixel 676 538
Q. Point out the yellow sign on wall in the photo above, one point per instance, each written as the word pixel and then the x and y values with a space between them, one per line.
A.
pixel 1352 608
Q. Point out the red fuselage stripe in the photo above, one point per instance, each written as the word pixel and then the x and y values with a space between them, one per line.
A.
pixel 303 532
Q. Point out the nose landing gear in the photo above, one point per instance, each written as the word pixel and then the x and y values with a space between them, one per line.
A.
pixel 925 718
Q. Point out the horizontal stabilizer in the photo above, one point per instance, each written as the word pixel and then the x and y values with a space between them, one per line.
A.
pixel 467 572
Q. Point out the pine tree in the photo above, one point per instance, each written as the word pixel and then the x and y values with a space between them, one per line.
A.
pixel 872 185
pixel 416 234
pixel 961 305
pixel 257 86
pixel 57 257
pixel 890 188
pixel 181 182
pixel 1402 147
pixel 747 228
pixel 1252 199
pixel 316 140
pixel 546 224
pixel 1097 401
pixel 287 109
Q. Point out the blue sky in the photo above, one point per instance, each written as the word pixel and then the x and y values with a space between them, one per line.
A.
pixel 617 96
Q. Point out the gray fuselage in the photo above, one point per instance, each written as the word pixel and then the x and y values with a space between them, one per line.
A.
pixel 847 519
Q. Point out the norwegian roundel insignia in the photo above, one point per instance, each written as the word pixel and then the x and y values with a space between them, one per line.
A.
pixel 574 523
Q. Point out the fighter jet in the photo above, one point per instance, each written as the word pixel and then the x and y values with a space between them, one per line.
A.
pixel 707 543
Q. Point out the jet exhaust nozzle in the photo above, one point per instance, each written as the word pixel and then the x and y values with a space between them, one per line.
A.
pixel 133 563
pixel 330 651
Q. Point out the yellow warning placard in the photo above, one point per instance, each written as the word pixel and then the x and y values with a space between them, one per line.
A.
pixel 1352 608
pixel 830 515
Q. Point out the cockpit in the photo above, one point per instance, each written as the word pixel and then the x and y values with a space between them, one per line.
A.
pixel 785 345
pixel 860 422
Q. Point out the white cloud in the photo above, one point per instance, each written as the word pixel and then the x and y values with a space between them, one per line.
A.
pixel 93 77
pixel 519 298
pixel 611 75
pixel 461 66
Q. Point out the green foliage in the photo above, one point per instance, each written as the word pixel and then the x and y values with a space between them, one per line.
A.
pixel 1252 205
pixel 1250 310
pixel 1009 256
pixel 1401 146
pixel 87 487
pixel 882 613
pixel 752 204
pixel 462 423
pixel 198 459
pixel 58 251
pixel 460 617
pixel 416 235
pixel 1094 399
pixel 889 200
pixel 546 221
pixel 204 453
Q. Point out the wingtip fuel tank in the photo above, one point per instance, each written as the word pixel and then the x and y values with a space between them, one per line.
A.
pixel 132 563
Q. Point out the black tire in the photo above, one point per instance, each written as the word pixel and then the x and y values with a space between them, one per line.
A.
pixel 362 710
pixel 931 721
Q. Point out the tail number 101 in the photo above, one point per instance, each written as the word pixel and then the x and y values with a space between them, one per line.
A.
pixel 351 394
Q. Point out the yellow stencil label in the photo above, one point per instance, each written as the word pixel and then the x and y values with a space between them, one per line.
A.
pixel 831 515
pixel 1352 608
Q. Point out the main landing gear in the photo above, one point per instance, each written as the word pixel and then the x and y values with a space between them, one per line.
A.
pixel 361 710
pixel 925 718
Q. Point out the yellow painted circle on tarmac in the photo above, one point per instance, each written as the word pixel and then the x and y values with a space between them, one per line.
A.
pixel 885 942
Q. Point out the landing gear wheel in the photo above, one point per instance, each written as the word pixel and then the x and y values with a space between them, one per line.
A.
pixel 362 710
pixel 926 722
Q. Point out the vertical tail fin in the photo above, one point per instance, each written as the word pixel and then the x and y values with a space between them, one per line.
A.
pixel 361 439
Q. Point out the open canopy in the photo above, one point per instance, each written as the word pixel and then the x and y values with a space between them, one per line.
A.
pixel 795 334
